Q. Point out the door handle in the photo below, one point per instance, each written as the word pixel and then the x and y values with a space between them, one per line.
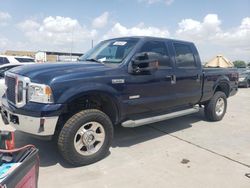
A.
pixel 172 78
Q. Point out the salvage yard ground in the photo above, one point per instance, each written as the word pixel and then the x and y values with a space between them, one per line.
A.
pixel 182 152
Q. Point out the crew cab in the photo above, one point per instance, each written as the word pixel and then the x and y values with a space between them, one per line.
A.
pixel 130 81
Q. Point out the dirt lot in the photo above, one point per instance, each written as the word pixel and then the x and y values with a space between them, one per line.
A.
pixel 182 152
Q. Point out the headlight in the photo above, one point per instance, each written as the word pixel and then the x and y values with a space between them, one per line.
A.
pixel 40 93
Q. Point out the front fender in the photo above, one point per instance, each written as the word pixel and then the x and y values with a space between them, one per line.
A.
pixel 78 91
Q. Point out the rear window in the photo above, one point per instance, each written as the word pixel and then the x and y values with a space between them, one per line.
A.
pixel 3 60
pixel 24 60
pixel 184 56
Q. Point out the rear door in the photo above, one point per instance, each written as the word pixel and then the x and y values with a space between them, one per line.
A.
pixel 188 73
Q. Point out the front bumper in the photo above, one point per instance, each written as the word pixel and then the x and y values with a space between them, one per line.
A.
pixel 39 126
pixel 28 122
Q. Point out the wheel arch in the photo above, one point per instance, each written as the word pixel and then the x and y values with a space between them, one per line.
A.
pixel 223 86
pixel 105 100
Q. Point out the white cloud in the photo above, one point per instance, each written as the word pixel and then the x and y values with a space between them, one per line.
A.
pixel 60 24
pixel 119 30
pixel 240 36
pixel 101 21
pixel 211 38
pixel 4 17
pixel 150 2
pixel 29 25
pixel 3 43
pixel 57 33
pixel 62 33
pixel 198 31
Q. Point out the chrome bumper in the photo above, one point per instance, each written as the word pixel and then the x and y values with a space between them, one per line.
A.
pixel 39 126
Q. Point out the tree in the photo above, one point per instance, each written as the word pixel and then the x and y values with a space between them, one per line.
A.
pixel 240 64
pixel 248 64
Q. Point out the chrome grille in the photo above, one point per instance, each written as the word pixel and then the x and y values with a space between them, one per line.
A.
pixel 16 88
pixel 11 89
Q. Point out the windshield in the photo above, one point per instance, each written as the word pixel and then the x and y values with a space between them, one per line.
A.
pixel 110 51
pixel 24 60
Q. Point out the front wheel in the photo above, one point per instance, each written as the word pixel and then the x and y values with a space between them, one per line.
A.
pixel 216 108
pixel 86 137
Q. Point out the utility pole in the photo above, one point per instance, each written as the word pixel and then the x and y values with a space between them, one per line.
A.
pixel 92 43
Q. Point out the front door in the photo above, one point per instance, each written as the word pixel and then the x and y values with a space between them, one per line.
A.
pixel 152 92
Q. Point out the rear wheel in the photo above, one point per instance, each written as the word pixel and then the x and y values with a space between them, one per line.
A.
pixel 86 137
pixel 215 109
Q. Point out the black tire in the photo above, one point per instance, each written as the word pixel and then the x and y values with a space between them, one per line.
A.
pixel 69 130
pixel 210 107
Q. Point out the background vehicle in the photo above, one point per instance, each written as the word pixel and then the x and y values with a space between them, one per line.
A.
pixel 3 69
pixel 244 77
pixel 128 81
pixel 5 59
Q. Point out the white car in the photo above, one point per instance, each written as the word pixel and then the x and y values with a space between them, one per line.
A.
pixel 7 59
pixel 3 69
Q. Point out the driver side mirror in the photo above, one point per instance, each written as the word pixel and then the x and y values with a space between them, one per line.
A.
pixel 144 63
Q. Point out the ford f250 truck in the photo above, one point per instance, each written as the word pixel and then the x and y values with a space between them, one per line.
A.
pixel 128 81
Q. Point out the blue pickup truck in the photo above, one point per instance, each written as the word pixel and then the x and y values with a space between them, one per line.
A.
pixel 130 81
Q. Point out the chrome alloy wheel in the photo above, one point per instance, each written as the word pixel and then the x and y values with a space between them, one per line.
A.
pixel 89 138
pixel 220 107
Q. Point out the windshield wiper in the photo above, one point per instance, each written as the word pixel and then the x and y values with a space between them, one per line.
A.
pixel 94 60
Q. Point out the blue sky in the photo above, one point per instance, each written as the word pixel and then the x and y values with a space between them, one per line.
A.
pixel 217 27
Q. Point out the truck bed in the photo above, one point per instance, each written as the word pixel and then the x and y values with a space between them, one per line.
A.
pixel 213 75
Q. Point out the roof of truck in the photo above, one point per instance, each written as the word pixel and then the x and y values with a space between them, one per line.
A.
pixel 151 37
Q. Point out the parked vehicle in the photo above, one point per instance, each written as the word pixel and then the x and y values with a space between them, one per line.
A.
pixel 244 77
pixel 3 69
pixel 6 59
pixel 128 81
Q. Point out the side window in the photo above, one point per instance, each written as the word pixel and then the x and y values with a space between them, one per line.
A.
pixel 3 60
pixel 184 56
pixel 160 49
pixel 24 60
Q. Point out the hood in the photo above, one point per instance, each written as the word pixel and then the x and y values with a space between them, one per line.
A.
pixel 44 73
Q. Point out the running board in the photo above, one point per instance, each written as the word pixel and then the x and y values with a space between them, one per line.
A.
pixel 154 119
